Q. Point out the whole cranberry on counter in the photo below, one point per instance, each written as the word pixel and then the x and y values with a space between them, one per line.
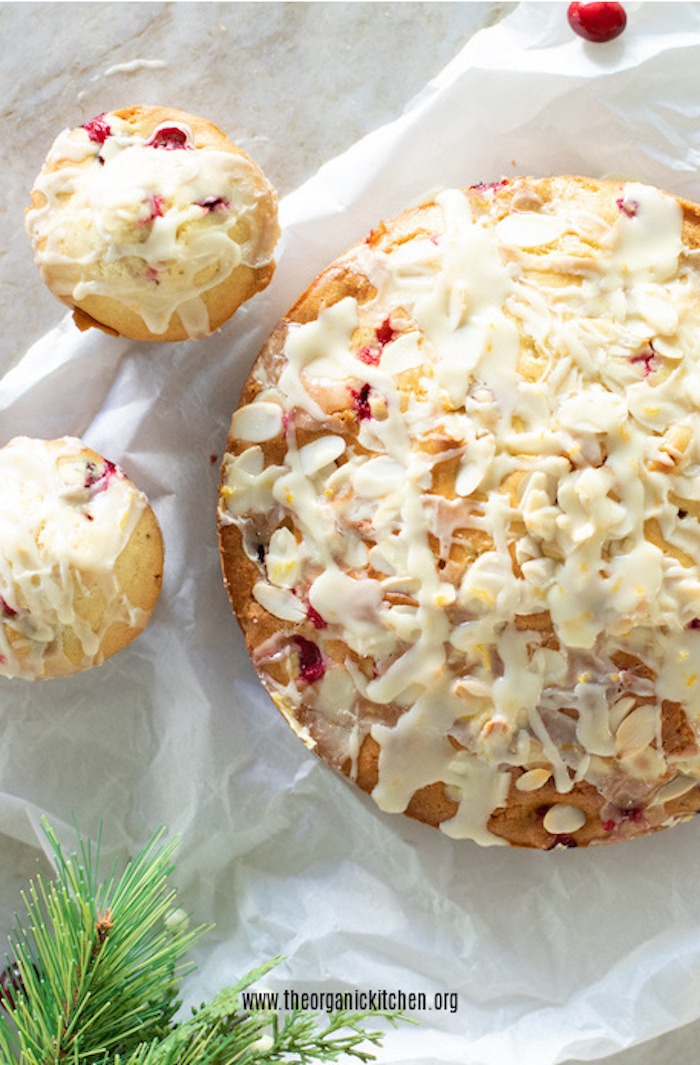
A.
pixel 597 20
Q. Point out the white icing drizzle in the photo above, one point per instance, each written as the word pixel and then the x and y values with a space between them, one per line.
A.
pixel 64 522
pixel 151 227
pixel 551 356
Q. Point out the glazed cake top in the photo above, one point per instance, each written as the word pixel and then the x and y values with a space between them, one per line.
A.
pixel 512 510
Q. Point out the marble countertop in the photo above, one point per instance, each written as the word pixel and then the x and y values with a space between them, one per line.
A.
pixel 259 70
pixel 293 83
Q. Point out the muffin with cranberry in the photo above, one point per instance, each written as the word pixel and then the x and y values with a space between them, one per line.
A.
pixel 81 558
pixel 152 224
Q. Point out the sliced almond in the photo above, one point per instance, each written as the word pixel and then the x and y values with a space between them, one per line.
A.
pixel 563 819
pixel 620 710
pixel 320 452
pixel 257 422
pixel 637 730
pixel 279 602
pixel 672 448
pixel 533 779
pixel 680 785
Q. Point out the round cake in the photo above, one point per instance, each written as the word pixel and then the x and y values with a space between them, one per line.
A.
pixel 152 224
pixel 81 558
pixel 459 512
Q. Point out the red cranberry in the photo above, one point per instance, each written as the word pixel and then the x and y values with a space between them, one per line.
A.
pixel 694 624
pixel 628 207
pixel 562 839
pixel 214 203
pixel 360 403
pixel 648 361
pixel 315 618
pixel 6 610
pixel 98 130
pixel 370 356
pixel 607 826
pixel 99 479
pixel 170 138
pixel 635 814
pixel 647 358
pixel 311 664
pixel 385 333
pixel 490 186
pixel 597 20
pixel 157 203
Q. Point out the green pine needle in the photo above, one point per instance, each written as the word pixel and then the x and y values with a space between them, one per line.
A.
pixel 99 964
pixel 97 968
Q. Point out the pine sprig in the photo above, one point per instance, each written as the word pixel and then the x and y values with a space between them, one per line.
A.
pixel 221 1033
pixel 299 1041
pixel 98 964
pixel 95 973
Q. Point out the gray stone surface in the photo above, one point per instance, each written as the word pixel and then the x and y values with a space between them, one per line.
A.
pixel 292 83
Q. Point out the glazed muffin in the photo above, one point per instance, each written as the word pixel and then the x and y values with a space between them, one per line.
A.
pixel 81 558
pixel 152 224
pixel 459 512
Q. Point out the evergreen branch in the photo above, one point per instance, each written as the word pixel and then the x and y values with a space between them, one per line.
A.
pixel 221 1033
pixel 95 973
pixel 98 965
pixel 227 1036
pixel 299 1041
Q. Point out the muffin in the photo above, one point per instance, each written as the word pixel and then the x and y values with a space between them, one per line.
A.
pixel 152 224
pixel 81 558
pixel 459 512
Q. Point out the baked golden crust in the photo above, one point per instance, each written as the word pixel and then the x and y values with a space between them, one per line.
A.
pixel 597 280
pixel 81 559
pixel 106 254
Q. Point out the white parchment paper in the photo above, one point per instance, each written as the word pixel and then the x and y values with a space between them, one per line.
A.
pixel 553 956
